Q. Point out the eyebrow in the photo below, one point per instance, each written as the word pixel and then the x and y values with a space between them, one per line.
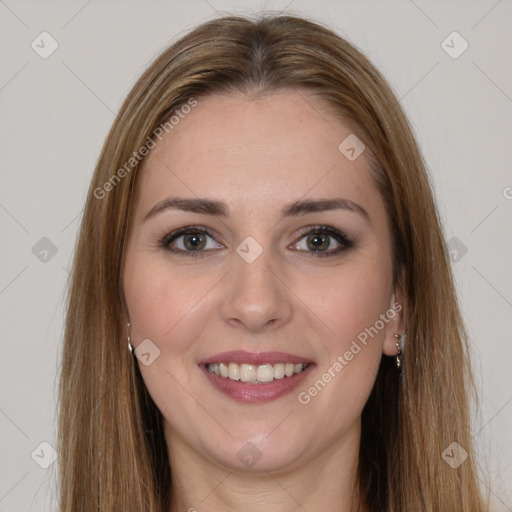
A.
pixel 217 208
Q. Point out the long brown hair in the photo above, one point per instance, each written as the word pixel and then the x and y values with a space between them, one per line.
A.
pixel 113 454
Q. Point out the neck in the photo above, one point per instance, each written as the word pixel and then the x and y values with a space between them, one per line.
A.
pixel 202 484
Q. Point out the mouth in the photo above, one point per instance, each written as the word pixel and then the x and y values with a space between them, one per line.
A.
pixel 255 378
pixel 256 374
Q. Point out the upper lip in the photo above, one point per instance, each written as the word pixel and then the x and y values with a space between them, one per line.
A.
pixel 256 358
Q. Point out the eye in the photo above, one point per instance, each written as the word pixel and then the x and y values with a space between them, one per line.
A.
pixel 194 240
pixel 191 240
pixel 318 240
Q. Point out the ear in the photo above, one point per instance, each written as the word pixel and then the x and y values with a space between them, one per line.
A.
pixel 396 323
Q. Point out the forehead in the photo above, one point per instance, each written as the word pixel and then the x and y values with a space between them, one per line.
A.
pixel 256 152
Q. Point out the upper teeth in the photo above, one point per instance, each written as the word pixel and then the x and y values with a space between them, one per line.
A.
pixel 255 373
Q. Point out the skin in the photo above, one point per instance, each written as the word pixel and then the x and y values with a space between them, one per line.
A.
pixel 257 155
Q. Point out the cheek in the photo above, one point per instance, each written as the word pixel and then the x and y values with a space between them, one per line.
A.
pixel 351 300
pixel 341 301
pixel 165 305
pixel 352 304
pixel 351 352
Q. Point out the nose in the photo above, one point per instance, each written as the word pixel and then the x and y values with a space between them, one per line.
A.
pixel 256 296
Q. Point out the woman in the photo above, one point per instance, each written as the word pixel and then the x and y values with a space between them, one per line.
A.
pixel 261 231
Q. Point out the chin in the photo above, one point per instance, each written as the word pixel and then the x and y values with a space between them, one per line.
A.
pixel 259 452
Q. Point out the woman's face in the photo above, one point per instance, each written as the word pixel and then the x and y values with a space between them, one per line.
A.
pixel 272 285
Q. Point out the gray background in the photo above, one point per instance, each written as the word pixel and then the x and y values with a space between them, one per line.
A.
pixel 55 114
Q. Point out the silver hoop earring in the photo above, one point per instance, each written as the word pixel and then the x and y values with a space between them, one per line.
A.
pixel 400 345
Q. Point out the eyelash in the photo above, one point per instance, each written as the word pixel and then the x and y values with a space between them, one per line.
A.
pixel 341 238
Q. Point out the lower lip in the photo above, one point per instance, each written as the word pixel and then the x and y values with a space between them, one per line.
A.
pixel 256 393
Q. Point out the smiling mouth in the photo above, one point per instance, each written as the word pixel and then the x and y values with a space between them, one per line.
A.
pixel 256 374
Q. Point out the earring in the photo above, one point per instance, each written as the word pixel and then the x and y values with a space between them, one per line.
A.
pixel 400 346
pixel 132 350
